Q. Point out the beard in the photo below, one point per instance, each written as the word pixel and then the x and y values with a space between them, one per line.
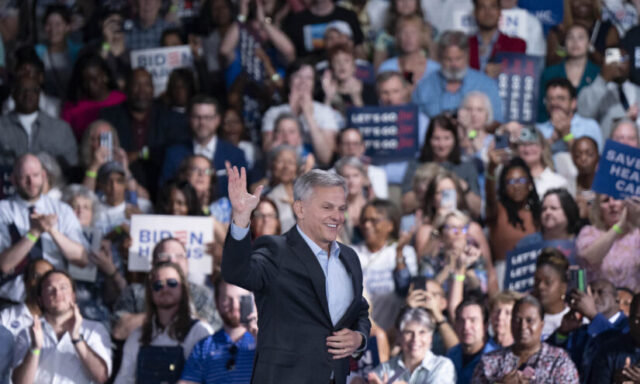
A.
pixel 25 195
pixel 230 320
pixel 453 75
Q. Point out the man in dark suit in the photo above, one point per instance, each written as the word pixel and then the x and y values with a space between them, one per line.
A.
pixel 308 287
pixel 204 120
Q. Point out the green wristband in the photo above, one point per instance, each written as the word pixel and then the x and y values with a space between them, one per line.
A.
pixel 616 228
pixel 91 174
pixel 33 238
pixel 568 137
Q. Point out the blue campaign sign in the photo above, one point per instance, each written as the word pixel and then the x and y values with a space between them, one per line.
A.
pixel 390 133
pixel 549 12
pixel 518 85
pixel 521 263
pixel 618 173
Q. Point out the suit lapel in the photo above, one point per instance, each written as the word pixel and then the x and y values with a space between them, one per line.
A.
pixel 311 264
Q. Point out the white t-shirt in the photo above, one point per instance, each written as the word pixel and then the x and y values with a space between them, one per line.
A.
pixel 325 117
pixel 377 273
pixel 552 322
pixel 27 122
pixel 549 180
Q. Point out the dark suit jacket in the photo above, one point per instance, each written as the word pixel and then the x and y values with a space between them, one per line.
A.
pixel 293 314
pixel 225 151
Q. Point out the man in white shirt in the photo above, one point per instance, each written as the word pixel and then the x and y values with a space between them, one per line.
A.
pixel 34 226
pixel 61 347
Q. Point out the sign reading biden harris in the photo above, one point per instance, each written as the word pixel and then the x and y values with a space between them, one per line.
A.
pixel 159 62
pixel 618 172
pixel 192 232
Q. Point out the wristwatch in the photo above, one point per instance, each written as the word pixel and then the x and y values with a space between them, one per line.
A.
pixel 76 341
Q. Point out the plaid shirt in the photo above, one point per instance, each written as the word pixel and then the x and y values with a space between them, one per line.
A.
pixel 144 38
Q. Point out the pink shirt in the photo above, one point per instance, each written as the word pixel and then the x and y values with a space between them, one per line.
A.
pixel 621 265
pixel 82 113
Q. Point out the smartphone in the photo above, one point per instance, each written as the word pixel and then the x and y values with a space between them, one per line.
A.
pixel 420 282
pixel 502 141
pixel 246 308
pixel 578 279
pixel 449 199
pixel 131 197
pixel 612 56
pixel 106 140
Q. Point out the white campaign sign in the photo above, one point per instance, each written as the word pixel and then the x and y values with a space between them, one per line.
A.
pixel 192 231
pixel 160 62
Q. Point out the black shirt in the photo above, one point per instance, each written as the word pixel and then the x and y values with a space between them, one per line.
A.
pixel 306 30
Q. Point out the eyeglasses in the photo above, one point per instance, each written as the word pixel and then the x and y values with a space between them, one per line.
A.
pixel 201 171
pixel 517 181
pixel 202 117
pixel 158 285
pixel 169 256
pixel 231 364
pixel 456 230
pixel 259 215
pixel 372 220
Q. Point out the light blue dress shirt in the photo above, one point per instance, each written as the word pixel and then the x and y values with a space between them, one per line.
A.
pixel 432 97
pixel 339 287
pixel 580 126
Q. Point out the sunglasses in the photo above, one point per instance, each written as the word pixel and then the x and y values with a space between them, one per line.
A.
pixel 456 230
pixel 159 284
pixel 517 181
pixel 231 364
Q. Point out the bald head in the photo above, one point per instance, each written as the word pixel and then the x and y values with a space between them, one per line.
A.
pixel 28 177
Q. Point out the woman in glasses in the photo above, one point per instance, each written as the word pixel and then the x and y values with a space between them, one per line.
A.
pixel 514 211
pixel 156 352
pixel 458 256
pixel 265 220
pixel 379 254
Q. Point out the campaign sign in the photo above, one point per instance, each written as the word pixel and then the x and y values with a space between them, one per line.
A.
pixel 549 12
pixel 390 133
pixel 518 85
pixel 521 263
pixel 160 62
pixel 464 21
pixel 193 232
pixel 618 173
pixel 90 272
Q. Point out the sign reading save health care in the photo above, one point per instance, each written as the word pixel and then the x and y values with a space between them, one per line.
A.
pixel 618 173
pixel 389 133
pixel 192 231
pixel 160 62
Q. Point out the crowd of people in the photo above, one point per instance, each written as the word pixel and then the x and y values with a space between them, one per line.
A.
pixel 88 139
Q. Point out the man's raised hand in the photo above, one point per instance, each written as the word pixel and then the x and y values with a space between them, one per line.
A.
pixel 242 202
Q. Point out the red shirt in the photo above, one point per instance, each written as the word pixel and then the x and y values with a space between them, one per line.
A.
pixel 504 43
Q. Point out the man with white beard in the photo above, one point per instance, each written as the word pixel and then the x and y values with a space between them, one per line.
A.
pixel 444 90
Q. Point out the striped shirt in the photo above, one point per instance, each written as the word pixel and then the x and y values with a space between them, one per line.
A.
pixel 217 359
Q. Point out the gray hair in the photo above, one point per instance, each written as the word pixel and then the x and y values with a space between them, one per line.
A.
pixel 73 191
pixel 416 315
pixel 485 100
pixel 275 152
pixel 350 161
pixel 304 185
pixel 52 169
pixel 453 39
pixel 619 122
